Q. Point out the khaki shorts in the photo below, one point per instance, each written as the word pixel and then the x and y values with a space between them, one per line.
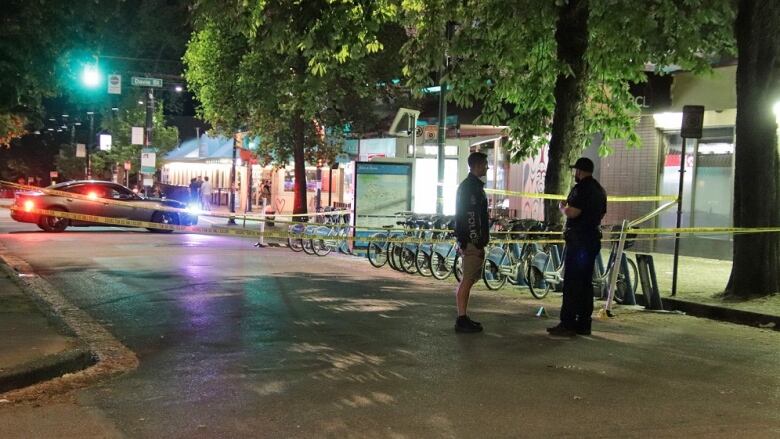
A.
pixel 473 260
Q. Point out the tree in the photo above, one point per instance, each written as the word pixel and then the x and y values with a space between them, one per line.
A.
pixel 288 71
pixel 38 43
pixel 559 72
pixel 119 124
pixel 757 159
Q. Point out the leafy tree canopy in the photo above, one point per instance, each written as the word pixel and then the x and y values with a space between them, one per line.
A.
pixel 504 54
pixel 44 44
pixel 258 66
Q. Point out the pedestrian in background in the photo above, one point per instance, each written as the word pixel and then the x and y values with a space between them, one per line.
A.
pixel 266 192
pixel 205 194
pixel 194 191
pixel 198 184
pixel 584 209
pixel 472 230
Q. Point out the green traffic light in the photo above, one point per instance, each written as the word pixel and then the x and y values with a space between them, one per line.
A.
pixel 90 76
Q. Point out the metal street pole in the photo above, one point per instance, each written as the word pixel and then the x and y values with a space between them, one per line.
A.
pixel 149 117
pixel 232 220
pixel 91 115
pixel 318 204
pixel 330 184
pixel 679 219
pixel 441 139
pixel 149 125
pixel 692 123
pixel 442 123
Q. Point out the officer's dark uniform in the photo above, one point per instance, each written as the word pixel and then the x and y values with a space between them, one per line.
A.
pixel 583 243
pixel 471 213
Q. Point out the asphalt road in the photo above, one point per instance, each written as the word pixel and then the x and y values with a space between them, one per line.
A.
pixel 235 341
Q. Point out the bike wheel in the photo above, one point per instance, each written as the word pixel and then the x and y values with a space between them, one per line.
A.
pixel 321 244
pixel 394 256
pixel 377 254
pixel 622 284
pixel 535 280
pixel 440 269
pixel 307 245
pixel 457 267
pixel 295 244
pixel 492 276
pixel 423 263
pixel 408 257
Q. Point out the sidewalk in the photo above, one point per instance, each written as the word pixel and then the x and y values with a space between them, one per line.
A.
pixel 33 346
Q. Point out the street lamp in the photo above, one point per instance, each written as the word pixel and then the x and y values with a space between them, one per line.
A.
pixel 91 115
pixel 232 220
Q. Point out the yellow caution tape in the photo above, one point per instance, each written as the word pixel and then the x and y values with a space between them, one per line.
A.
pixel 617 198
pixel 380 236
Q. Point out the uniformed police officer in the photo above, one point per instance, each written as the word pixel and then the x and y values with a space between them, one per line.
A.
pixel 472 230
pixel 584 209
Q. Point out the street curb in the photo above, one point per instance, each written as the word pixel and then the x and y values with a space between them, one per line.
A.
pixel 740 317
pixel 46 368
pixel 101 355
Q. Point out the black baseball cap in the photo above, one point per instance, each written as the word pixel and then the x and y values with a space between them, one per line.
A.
pixel 583 164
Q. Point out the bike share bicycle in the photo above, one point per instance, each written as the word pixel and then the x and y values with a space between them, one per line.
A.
pixel 547 271
pixel 508 261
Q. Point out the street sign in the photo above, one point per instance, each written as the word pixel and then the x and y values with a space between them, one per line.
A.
pixel 105 142
pixel 137 136
pixel 115 84
pixel 81 150
pixel 128 166
pixel 148 161
pixel 692 121
pixel 53 174
pixel 138 81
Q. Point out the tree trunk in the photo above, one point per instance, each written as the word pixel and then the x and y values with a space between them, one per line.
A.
pixel 571 36
pixel 298 131
pixel 755 271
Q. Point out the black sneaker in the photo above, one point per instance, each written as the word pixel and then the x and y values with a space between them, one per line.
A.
pixel 465 325
pixel 473 322
pixel 561 331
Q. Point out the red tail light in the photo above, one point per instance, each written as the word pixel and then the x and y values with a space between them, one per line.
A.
pixel 29 205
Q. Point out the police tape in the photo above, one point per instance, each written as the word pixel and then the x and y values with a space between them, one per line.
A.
pixel 616 198
pixel 326 233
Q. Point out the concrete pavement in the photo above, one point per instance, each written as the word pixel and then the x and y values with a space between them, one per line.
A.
pixel 34 347
pixel 243 342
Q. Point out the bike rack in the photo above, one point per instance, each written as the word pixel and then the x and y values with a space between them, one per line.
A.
pixel 649 282
pixel 628 298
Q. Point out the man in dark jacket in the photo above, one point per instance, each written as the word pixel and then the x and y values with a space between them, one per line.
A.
pixel 472 232
pixel 584 208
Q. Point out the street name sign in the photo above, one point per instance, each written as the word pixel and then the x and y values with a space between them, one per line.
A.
pixel 148 161
pixel 137 136
pixel 138 81
pixel 115 84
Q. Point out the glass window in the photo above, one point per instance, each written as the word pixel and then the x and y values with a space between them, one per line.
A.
pixel 311 180
pixel 707 189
